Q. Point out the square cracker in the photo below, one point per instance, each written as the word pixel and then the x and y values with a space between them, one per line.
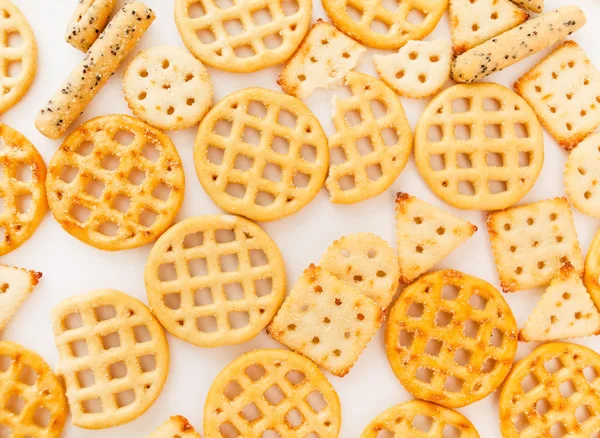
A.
pixel 564 91
pixel 326 321
pixel 531 242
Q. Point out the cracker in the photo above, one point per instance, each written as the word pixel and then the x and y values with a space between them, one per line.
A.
pixel 532 5
pixel 272 392
pixel 176 427
pixel 373 23
pixel 261 154
pixel 479 146
pixel 242 36
pixel 372 140
pixel 425 235
pixel 15 286
pixel 100 62
pixel 582 174
pixel 365 262
pixel 564 91
pixel 115 183
pixel 472 23
pixel 591 277
pixel 86 23
pixel 557 388
pixel 419 69
pixel 113 354
pixel 531 242
pixel 168 88
pixel 516 44
pixel 326 320
pixel 451 338
pixel 403 420
pixel 32 400
pixel 215 280
pixel 22 192
pixel 322 61
pixel 566 310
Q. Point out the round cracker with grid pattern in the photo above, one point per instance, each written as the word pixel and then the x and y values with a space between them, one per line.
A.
pixel 15 52
pixel 245 35
pixel 582 175
pixel 22 192
pixel 272 390
pixel 114 357
pixel 591 275
pixel 479 146
pixel 32 399
pixel 115 183
pixel 451 338
pixel 373 23
pixel 555 391
pixel 373 139
pixel 420 419
pixel 215 280
pixel 261 154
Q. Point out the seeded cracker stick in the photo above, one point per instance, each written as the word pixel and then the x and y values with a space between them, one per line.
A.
pixel 100 63
pixel 516 44
pixel 87 22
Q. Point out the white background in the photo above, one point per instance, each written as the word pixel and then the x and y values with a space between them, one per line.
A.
pixel 70 267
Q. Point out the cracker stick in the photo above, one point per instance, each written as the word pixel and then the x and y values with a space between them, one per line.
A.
pixel 88 20
pixel 100 62
pixel 516 44
pixel 532 5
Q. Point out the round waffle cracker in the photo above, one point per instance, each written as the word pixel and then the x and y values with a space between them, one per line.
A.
pixel 167 87
pixel 32 398
pixel 115 183
pixel 402 420
pixel 15 53
pixel 370 22
pixel 555 389
pixel 114 357
pixel 591 275
pixel 215 280
pixel 272 390
pixel 245 35
pixel 22 192
pixel 479 146
pixel 451 338
pixel 582 175
pixel 261 154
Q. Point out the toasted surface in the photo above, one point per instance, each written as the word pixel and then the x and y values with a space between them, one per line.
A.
pixel 269 390
pixel 113 355
pixel 326 320
pixel 87 22
pixel 261 154
pixel 532 5
pixel 22 176
pixel 382 28
pixel 322 61
pixel 591 277
pixel 562 90
pixel 175 427
pixel 419 69
pixel 555 384
pixel 167 87
pixel 582 175
pixel 239 38
pixel 479 146
pixel 451 338
pixel 28 385
pixel 425 235
pixel 398 421
pixel 372 141
pixel 365 262
pixel 472 23
pixel 15 286
pixel 531 242
pixel 215 280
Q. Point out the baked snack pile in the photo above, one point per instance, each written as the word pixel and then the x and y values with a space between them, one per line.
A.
pixel 271 390
pixel 261 154
pixel 114 357
pixel 451 338
pixel 582 175
pixel 115 183
pixel 15 286
pixel 591 276
pixel 175 427
pixel 479 146
pixel 554 388
pixel 87 22
pixel 244 36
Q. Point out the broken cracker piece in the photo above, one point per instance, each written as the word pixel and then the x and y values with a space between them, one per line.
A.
pixel 15 286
